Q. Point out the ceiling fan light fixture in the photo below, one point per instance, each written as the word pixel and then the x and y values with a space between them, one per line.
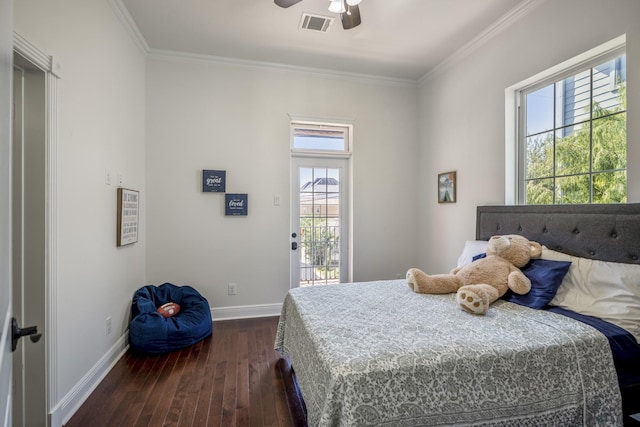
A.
pixel 337 6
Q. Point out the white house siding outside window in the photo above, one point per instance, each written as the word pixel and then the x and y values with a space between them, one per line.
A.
pixel 572 135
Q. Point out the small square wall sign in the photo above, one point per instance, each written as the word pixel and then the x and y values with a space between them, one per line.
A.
pixel 236 204
pixel 214 181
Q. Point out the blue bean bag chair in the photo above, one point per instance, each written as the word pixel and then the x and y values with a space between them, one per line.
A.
pixel 151 332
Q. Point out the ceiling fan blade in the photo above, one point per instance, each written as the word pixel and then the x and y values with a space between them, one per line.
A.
pixel 286 3
pixel 351 18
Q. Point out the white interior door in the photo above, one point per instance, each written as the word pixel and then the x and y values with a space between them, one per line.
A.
pixel 319 221
pixel 6 363
pixel 28 242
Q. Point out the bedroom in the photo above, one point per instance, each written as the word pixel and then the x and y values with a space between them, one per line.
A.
pixel 149 118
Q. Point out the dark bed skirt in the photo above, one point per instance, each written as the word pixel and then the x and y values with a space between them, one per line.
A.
pixel 294 396
pixel 630 403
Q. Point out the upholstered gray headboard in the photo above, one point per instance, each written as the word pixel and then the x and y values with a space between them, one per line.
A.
pixel 605 232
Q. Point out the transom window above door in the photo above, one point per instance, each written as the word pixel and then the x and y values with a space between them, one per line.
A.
pixel 320 138
pixel 320 203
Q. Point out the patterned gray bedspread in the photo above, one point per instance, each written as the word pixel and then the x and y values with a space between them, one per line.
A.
pixel 376 353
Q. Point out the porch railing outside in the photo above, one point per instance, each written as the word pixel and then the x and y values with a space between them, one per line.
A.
pixel 319 254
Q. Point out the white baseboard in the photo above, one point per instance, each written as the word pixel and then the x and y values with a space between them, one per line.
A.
pixel 245 311
pixel 70 403
pixel 68 406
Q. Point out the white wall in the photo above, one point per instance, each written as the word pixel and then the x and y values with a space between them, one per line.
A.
pixel 101 125
pixel 235 117
pixel 462 112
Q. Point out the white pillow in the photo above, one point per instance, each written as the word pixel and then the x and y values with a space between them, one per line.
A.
pixel 471 249
pixel 608 290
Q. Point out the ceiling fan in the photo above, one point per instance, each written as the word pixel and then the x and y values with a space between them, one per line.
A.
pixel 348 10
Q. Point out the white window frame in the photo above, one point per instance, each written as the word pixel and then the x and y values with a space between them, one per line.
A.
pixel 297 120
pixel 514 156
pixel 322 123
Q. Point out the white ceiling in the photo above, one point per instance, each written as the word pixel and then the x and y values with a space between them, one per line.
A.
pixel 401 39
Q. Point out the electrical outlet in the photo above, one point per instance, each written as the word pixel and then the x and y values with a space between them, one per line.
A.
pixel 232 289
pixel 276 200
pixel 108 326
pixel 399 276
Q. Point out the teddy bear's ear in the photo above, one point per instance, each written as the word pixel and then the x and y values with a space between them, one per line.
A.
pixel 536 249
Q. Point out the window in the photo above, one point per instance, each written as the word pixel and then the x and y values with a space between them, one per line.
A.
pixel 320 202
pixel 320 138
pixel 572 140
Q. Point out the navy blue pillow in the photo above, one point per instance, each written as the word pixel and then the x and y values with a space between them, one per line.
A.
pixel 546 276
pixel 478 257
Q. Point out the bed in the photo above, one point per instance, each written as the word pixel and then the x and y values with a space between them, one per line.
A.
pixel 376 353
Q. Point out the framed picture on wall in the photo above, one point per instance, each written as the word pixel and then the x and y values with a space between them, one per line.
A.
pixel 236 204
pixel 447 187
pixel 128 214
pixel 214 181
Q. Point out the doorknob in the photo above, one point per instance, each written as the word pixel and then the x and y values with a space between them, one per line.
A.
pixel 17 333
pixel 294 246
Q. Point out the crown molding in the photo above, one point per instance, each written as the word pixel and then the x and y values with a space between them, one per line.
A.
pixel 498 27
pixel 194 58
pixel 514 15
pixel 125 18
pixel 127 21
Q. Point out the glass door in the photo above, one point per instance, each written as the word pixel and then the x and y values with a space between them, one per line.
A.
pixel 319 212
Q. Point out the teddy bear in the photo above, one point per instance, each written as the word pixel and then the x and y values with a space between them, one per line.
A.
pixel 482 282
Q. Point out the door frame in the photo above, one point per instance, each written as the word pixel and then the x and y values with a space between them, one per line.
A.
pixel 347 156
pixel 312 161
pixel 52 70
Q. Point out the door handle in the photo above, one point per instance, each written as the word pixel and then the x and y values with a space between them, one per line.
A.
pixel 17 333
pixel 294 246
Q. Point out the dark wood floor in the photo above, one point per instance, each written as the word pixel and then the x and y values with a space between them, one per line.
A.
pixel 228 379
